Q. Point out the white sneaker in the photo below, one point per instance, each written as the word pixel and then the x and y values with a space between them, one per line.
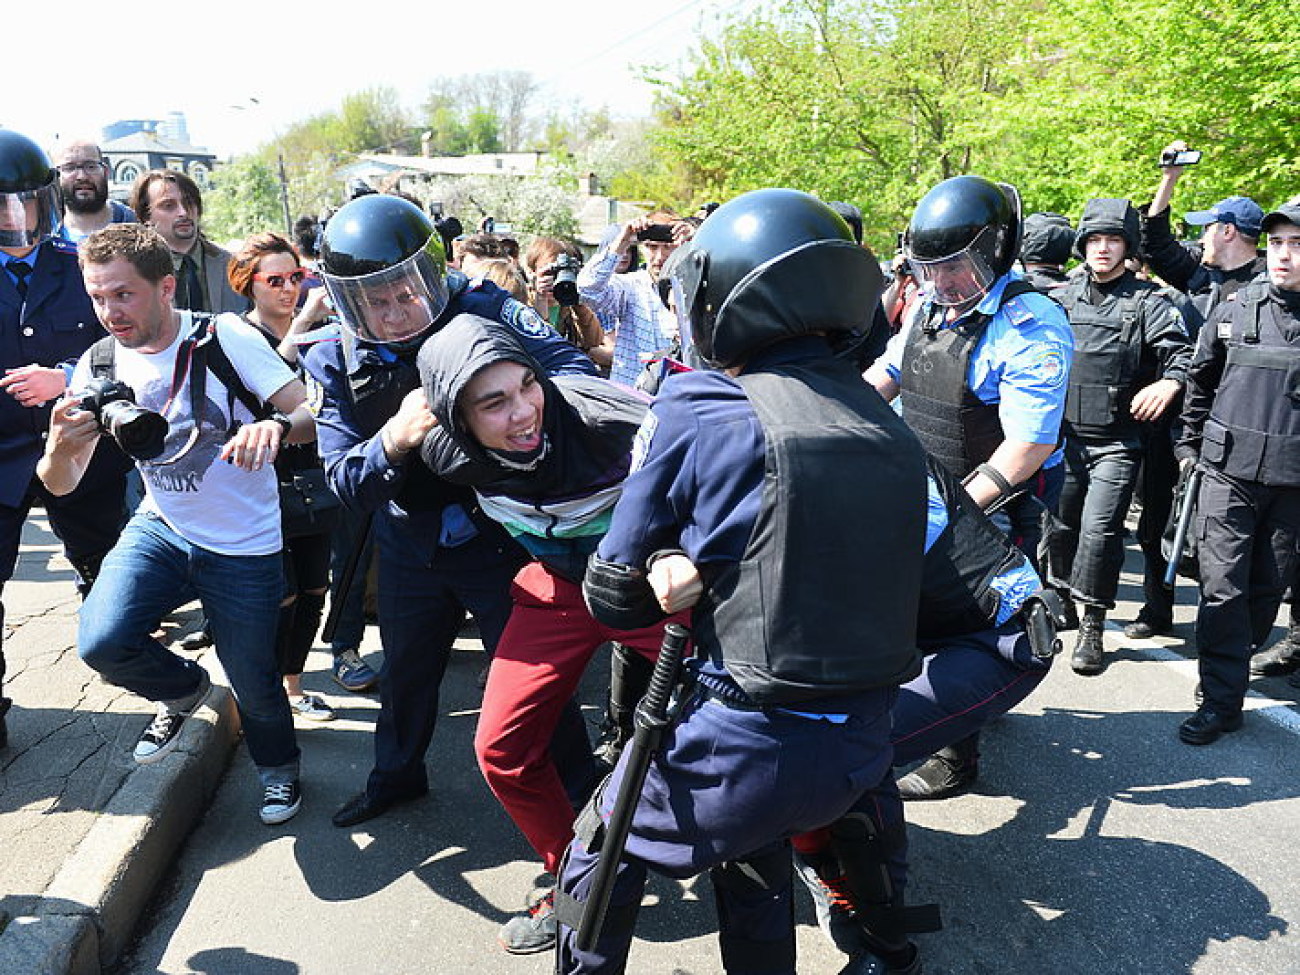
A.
pixel 311 707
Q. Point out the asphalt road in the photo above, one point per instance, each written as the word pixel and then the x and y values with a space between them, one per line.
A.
pixel 1094 843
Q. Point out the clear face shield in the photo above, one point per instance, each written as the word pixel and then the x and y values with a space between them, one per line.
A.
pixel 393 307
pixel 685 273
pixel 29 217
pixel 958 279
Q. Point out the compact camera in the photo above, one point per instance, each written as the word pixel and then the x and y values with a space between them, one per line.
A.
pixel 139 432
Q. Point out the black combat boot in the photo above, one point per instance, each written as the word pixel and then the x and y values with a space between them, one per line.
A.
pixel 1281 658
pixel 948 772
pixel 1088 650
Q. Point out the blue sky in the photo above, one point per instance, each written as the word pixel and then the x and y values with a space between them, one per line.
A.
pixel 240 70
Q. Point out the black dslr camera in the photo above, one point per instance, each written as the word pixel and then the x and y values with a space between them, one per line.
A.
pixel 139 432
pixel 565 289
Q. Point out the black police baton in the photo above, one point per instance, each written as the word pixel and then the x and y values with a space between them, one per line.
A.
pixel 651 721
pixel 346 579
pixel 1184 522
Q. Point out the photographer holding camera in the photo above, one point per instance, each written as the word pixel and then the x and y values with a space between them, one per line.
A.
pixel 643 326
pixel 552 265
pixel 209 525
pixel 46 322
pixel 1226 257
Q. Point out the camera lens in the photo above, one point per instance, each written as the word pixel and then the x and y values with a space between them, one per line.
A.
pixel 139 432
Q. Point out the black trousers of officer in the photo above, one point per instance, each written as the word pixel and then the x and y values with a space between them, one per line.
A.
pixel 1155 489
pixel 1247 533
pixel 1099 479
pixel 87 521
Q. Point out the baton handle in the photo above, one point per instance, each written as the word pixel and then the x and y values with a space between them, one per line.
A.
pixel 346 579
pixel 651 721
pixel 1184 523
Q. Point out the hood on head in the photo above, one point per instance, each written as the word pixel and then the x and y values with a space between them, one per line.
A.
pixel 453 356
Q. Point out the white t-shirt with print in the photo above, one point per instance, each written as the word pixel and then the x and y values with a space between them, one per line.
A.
pixel 210 503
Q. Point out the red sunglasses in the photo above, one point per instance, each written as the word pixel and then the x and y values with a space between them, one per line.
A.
pixel 295 278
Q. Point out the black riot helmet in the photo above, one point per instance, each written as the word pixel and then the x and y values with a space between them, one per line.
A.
pixel 964 235
pixel 382 262
pixel 29 192
pixel 1048 239
pixel 1108 215
pixel 766 266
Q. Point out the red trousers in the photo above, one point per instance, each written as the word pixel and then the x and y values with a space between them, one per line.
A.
pixel 538 663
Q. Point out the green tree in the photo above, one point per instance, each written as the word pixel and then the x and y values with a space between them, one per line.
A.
pixel 244 198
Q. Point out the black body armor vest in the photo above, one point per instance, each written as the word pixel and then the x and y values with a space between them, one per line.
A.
pixel 1104 373
pixel 951 422
pixel 956 595
pixel 377 389
pixel 1253 430
pixel 824 601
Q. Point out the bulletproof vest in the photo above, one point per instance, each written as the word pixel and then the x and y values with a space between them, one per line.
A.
pixel 956 592
pixel 823 602
pixel 1253 430
pixel 1105 370
pixel 951 422
pixel 378 388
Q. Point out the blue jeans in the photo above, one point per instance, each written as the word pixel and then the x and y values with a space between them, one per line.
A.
pixel 151 571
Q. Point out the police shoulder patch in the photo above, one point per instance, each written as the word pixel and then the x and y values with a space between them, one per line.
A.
pixel 523 319
pixel 315 394
pixel 641 444
pixel 63 246
pixel 1048 363
pixel 1018 311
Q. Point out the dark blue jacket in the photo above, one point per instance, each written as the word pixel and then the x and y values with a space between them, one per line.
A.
pixel 54 327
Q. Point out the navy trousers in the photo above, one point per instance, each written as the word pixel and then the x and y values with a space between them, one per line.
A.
pixel 733 785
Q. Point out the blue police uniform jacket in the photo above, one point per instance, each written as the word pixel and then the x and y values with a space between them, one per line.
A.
pixel 53 327
pixel 426 511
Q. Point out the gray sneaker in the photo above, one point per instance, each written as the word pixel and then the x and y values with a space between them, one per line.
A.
pixel 164 730
pixel 532 932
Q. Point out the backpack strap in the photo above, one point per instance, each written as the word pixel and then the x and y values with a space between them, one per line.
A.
pixel 209 356
pixel 103 358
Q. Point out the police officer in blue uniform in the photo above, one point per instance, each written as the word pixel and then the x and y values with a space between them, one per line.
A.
pixel 982 371
pixel 46 323
pixel 771 483
pixel 383 265
pixel 1241 427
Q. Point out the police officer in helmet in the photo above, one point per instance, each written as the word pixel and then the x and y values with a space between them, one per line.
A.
pixel 383 265
pixel 981 368
pixel 46 323
pixel 802 634
pixel 1131 352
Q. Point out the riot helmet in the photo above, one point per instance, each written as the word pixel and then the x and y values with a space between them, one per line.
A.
pixel 1104 215
pixel 767 266
pixel 382 262
pixel 963 236
pixel 29 192
pixel 1048 239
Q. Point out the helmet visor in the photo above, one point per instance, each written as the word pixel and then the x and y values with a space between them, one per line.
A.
pixel 395 306
pixel 29 217
pixel 957 280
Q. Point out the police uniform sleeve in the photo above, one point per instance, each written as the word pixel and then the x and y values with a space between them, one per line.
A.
pixel 551 351
pixel 1165 332
pixel 1035 372
pixel 358 468
pixel 1203 375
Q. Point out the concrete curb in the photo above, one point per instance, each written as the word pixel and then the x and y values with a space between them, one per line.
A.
pixel 88 913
